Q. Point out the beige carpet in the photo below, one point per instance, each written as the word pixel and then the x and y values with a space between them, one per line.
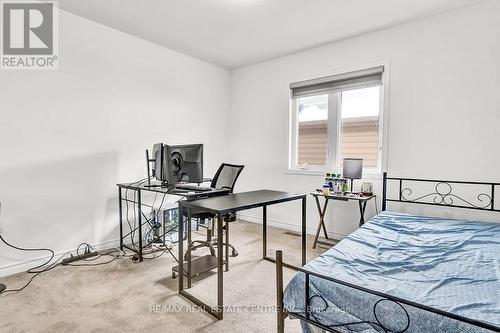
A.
pixel 128 297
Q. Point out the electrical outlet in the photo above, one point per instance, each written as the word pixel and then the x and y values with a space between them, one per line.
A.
pixel 448 214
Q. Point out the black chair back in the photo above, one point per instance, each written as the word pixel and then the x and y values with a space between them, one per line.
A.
pixel 226 176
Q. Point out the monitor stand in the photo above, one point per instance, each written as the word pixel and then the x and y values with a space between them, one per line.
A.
pixel 2 288
pixel 162 185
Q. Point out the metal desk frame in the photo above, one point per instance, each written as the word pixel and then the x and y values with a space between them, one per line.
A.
pixel 138 187
pixel 322 211
pixel 187 206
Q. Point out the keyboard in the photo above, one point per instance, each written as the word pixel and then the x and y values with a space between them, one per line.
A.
pixel 193 188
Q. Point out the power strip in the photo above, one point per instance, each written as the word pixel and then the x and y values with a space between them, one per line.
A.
pixel 67 261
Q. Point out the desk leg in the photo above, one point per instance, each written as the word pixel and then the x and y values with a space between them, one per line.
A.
pixel 362 208
pixel 188 246
pixel 322 212
pixel 121 216
pixel 220 262
pixel 226 247
pixel 304 231
pixel 264 232
pixel 180 222
pixel 139 218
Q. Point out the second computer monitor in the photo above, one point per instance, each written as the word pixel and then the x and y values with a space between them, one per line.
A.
pixel 187 161
pixel 157 157
pixel 163 166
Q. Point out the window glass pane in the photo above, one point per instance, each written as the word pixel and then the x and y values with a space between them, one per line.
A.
pixel 359 136
pixel 312 115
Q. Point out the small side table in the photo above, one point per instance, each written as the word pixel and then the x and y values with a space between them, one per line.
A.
pixel 322 210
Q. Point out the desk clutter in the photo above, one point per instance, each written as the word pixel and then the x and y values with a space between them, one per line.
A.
pixel 337 185
pixel 174 170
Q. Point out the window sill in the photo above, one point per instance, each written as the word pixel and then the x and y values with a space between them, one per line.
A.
pixel 367 175
pixel 305 172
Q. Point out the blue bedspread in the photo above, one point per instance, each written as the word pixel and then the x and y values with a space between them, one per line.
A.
pixel 451 265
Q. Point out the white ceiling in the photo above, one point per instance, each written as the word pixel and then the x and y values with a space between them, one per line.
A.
pixel 234 33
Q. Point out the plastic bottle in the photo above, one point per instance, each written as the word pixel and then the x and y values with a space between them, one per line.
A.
pixel 345 187
pixel 326 189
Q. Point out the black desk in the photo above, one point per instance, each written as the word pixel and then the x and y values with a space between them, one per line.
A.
pixel 140 186
pixel 221 206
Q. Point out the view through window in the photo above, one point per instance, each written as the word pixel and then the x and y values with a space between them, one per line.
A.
pixel 360 125
pixel 312 132
pixel 336 125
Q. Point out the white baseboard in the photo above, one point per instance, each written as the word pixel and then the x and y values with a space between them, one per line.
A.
pixel 23 266
pixel 288 226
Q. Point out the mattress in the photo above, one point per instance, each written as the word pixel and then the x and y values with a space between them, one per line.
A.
pixel 451 265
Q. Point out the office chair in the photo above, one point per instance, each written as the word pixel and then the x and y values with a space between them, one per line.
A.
pixel 225 177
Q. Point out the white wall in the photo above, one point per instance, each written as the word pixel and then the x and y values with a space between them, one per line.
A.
pixel 68 136
pixel 444 108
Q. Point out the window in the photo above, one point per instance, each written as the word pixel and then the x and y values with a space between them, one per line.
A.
pixel 312 138
pixel 337 117
pixel 359 129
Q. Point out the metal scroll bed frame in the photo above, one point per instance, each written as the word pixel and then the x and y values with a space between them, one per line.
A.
pixel 443 194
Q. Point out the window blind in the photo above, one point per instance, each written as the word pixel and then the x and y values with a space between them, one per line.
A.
pixel 352 80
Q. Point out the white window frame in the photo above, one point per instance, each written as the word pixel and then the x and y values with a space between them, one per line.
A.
pixel 333 162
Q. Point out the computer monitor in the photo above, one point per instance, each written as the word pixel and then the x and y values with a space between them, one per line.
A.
pixel 156 157
pixel 353 169
pixel 187 161
pixel 163 169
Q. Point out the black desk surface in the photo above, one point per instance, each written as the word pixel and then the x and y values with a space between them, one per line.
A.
pixel 241 201
pixel 181 192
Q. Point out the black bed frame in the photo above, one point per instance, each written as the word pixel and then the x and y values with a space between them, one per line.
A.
pixel 442 195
